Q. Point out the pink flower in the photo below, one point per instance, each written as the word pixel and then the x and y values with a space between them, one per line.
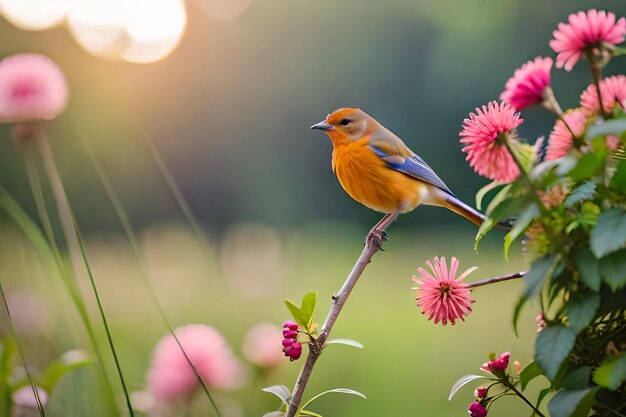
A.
pixel 498 364
pixel 442 296
pixel 561 140
pixel 261 346
pixel 480 393
pixel 584 31
pixel 32 88
pixel 517 366
pixel 476 409
pixel 171 377
pixel 485 134
pixel 528 84
pixel 613 91
pixel 25 397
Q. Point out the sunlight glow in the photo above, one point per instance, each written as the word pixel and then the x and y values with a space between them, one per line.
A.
pixel 137 31
pixel 34 14
pixel 224 9
pixel 133 30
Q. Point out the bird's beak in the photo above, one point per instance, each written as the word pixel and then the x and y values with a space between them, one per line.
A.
pixel 322 126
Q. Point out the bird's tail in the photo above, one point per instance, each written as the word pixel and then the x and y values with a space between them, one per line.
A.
pixel 454 204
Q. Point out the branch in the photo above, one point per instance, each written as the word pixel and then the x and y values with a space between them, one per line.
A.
pixel 372 245
pixel 496 279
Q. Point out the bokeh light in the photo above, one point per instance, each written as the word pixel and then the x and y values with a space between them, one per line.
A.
pixel 224 9
pixel 137 31
pixel 35 14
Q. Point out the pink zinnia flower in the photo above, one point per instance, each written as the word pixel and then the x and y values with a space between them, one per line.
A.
pixel 528 84
pixel 442 296
pixel 613 91
pixel 485 134
pixel 262 345
pixel 476 409
pixel 32 88
pixel 584 31
pixel 561 140
pixel 171 377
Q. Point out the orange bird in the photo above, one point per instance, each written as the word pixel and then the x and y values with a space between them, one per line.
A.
pixel 378 170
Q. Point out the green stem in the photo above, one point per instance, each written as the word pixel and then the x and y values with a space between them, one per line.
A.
pixel 132 239
pixel 519 394
pixel 596 73
pixel 524 174
pixel 21 352
pixel 74 241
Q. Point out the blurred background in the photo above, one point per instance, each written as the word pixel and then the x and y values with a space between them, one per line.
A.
pixel 227 100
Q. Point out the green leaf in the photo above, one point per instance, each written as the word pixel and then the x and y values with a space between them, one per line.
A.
pixel 530 372
pixel 572 403
pixel 483 192
pixel 583 192
pixel 618 181
pixel 539 271
pixel 541 396
pixel 68 362
pixel 552 347
pixel 581 310
pixel 308 307
pixel 336 390
pixel 520 226
pixel 281 392
pixel 517 311
pixel 588 165
pixel 348 342
pixel 611 373
pixel 609 233
pixel 303 315
pixel 485 227
pixel 464 380
pixel 613 269
pixel 589 268
pixel 297 314
pixel 606 128
pixel 502 195
pixel 577 379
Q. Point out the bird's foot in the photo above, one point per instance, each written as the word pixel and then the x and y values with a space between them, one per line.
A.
pixel 377 237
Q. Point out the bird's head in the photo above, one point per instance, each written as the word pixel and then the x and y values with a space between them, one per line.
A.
pixel 346 125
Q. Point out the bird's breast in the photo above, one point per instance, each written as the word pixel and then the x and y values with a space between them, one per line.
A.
pixel 368 180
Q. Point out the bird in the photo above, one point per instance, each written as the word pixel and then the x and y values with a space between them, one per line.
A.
pixel 377 169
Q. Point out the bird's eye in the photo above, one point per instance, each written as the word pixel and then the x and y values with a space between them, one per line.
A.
pixel 344 122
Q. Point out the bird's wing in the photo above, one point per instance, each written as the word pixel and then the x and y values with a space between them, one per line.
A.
pixel 413 166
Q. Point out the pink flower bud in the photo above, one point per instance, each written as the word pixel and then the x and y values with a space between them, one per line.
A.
pixel 518 367
pixel 287 342
pixel 497 365
pixel 290 334
pixel 293 351
pixel 480 393
pixel 477 410
pixel 291 325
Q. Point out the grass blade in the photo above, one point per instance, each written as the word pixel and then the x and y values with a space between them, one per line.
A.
pixel 132 239
pixel 172 186
pixel 21 353
pixel 75 241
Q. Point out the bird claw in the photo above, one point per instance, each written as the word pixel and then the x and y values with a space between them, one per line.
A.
pixel 377 237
